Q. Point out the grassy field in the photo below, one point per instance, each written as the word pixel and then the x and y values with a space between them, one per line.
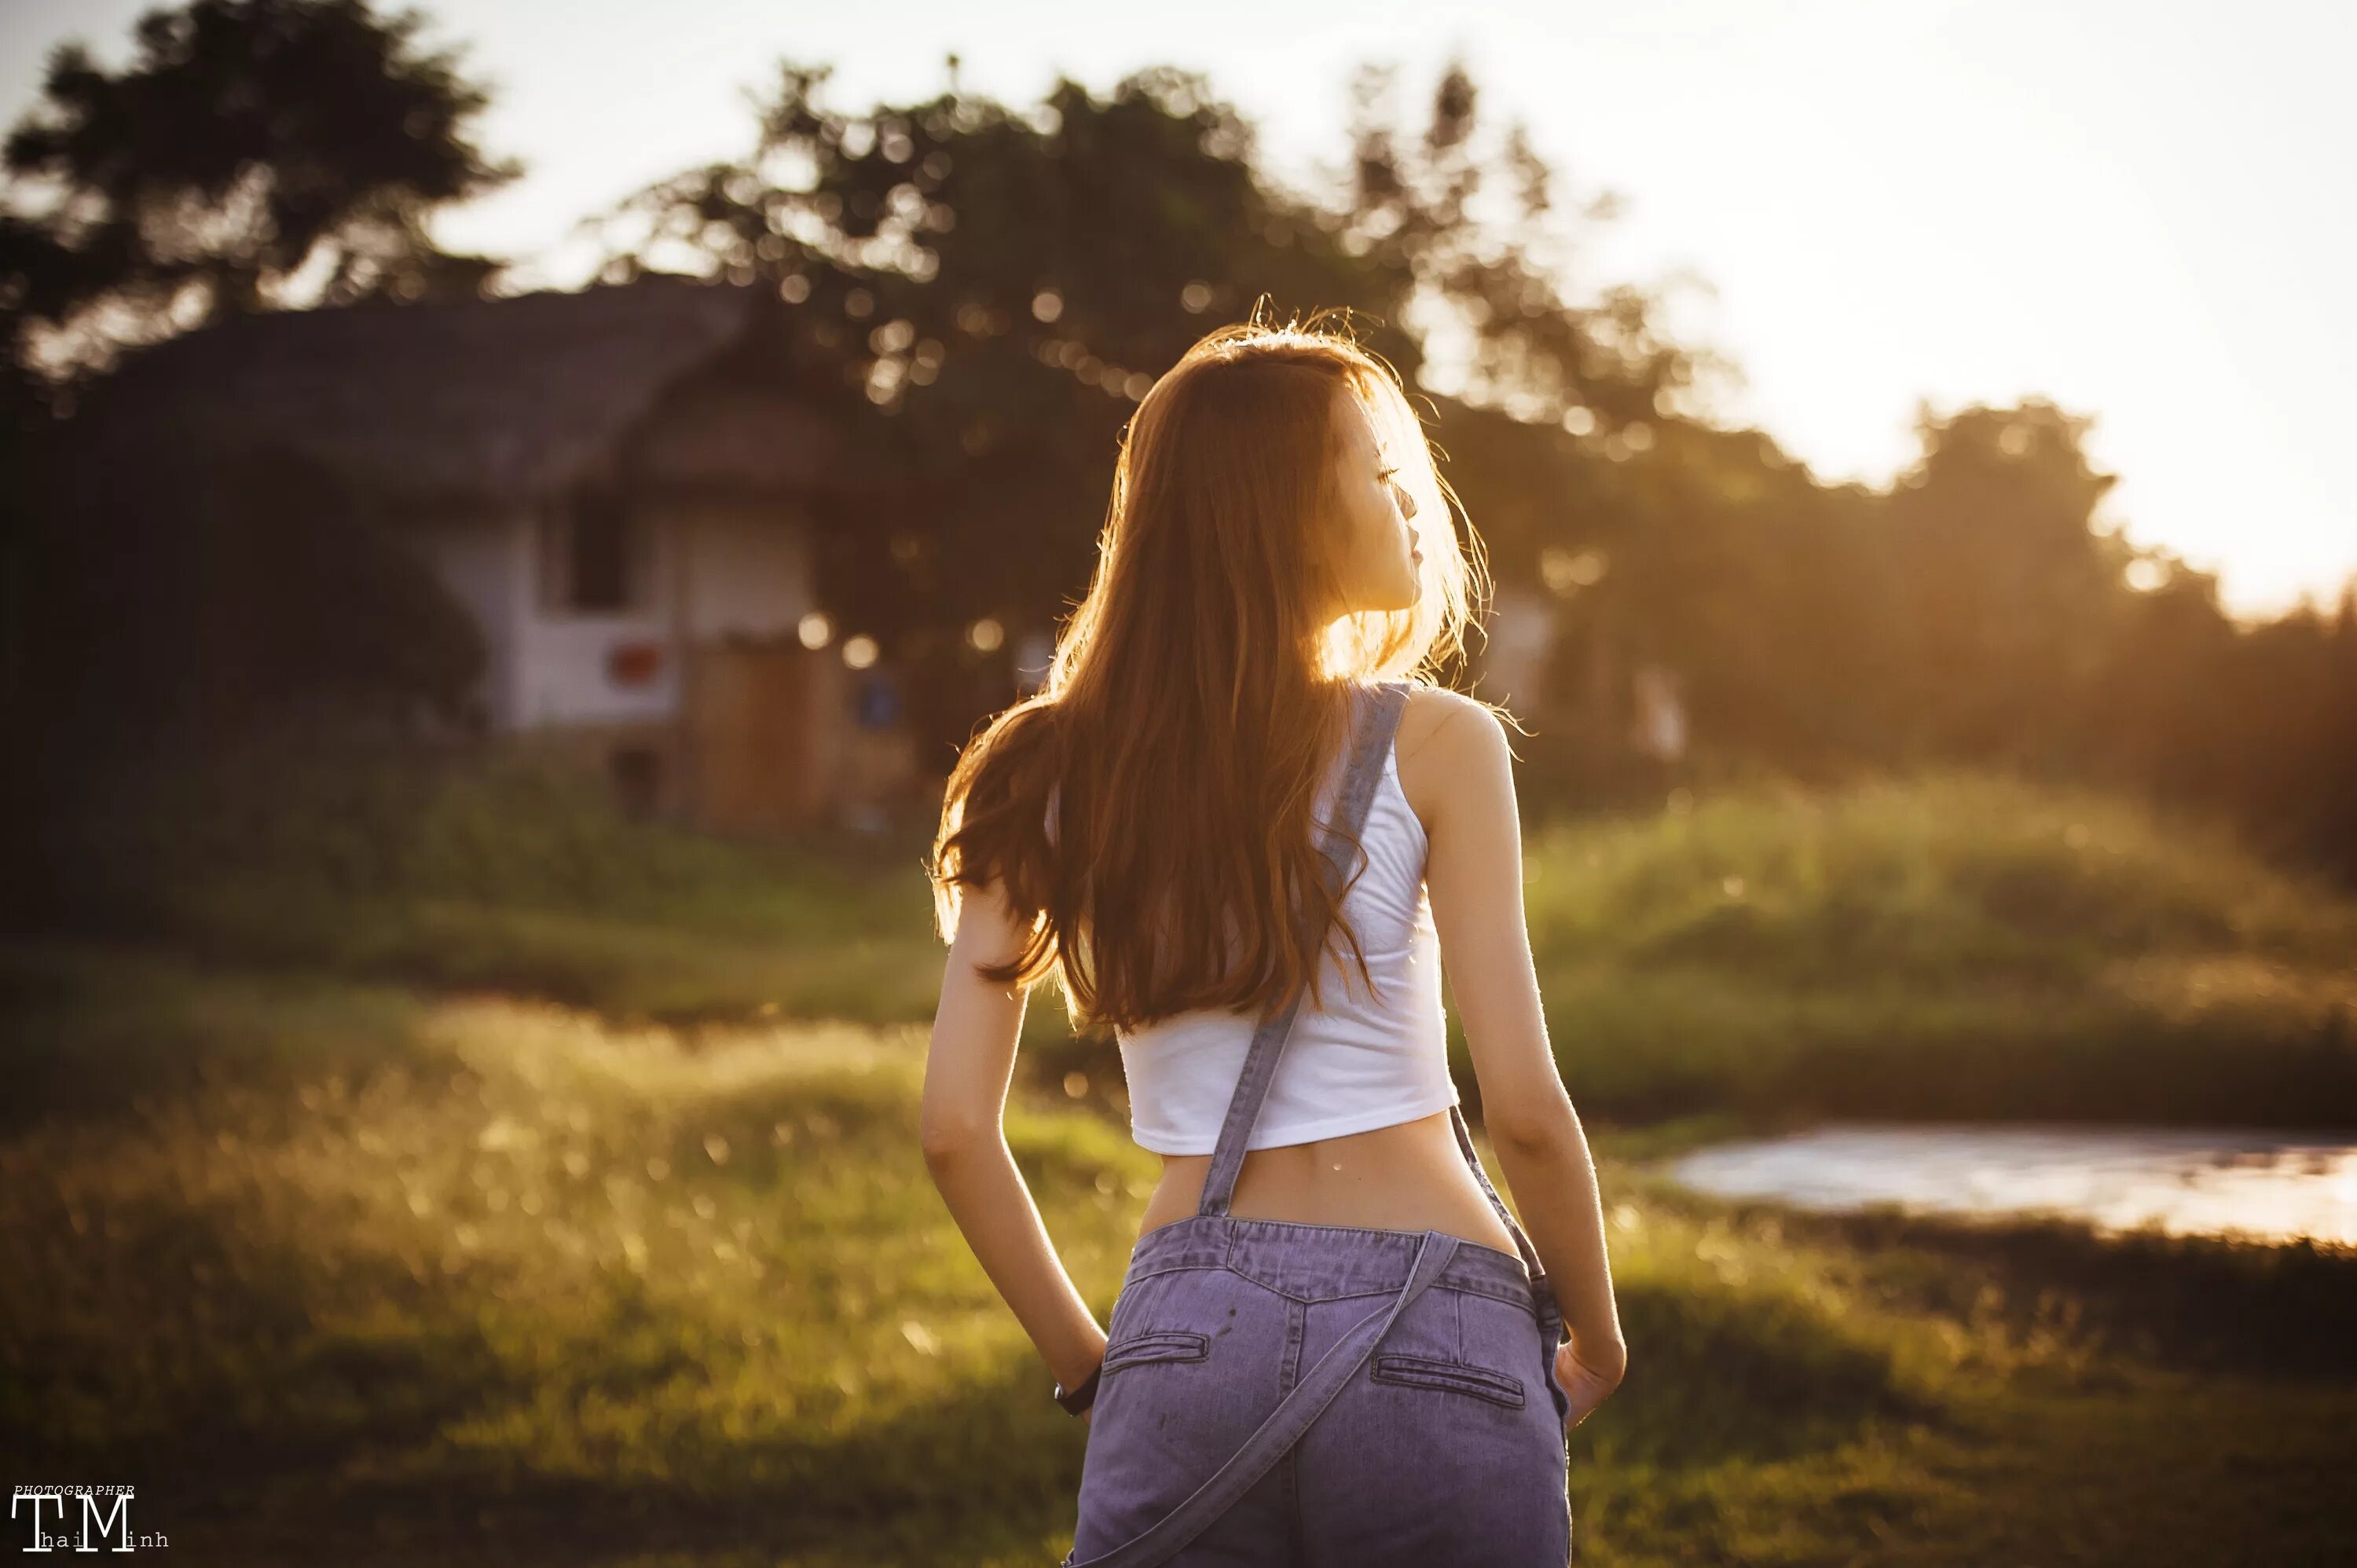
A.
pixel 1953 946
pixel 512 875
pixel 334 1271
pixel 403 1166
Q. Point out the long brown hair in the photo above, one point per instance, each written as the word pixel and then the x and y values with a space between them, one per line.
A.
pixel 1196 700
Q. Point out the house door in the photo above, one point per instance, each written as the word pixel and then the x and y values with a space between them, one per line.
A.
pixel 766 755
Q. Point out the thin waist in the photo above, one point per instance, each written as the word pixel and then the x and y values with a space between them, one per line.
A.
pixel 1321 1263
pixel 1406 1176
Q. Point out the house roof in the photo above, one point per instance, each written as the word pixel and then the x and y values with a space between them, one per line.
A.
pixel 501 398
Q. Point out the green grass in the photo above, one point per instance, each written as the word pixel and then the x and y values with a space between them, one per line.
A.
pixel 1952 946
pixel 506 873
pixel 479 1277
pixel 331 1270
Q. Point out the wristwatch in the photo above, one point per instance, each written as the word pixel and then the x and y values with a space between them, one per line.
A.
pixel 1077 1400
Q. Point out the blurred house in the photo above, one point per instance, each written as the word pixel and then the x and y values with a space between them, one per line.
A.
pixel 1658 725
pixel 616 484
pixel 1519 644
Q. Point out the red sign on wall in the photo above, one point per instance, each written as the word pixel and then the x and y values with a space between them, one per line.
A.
pixel 633 663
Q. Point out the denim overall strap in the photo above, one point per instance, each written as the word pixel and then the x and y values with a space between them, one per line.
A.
pixel 1522 1243
pixel 1283 1425
pixel 1550 1306
pixel 1376 716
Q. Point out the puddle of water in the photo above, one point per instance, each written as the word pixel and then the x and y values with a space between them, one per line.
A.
pixel 2183 1181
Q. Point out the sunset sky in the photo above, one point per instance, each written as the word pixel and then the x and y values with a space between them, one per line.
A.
pixel 2142 210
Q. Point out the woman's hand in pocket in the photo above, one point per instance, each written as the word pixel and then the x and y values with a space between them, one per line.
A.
pixel 1588 1374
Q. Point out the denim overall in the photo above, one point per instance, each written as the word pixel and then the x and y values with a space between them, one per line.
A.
pixel 1431 1357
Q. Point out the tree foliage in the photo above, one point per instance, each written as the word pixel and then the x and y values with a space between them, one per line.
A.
pixel 984 291
pixel 253 153
pixel 996 288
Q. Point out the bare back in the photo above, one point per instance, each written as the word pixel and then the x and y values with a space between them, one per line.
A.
pixel 1407 1177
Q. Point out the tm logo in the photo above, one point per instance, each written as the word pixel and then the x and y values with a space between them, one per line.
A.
pixel 104 1521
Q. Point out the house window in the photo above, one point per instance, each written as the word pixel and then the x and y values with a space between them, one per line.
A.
pixel 593 553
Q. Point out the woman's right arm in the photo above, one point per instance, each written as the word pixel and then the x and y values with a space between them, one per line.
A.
pixel 1474 878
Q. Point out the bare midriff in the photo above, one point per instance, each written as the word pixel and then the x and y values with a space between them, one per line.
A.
pixel 1407 1177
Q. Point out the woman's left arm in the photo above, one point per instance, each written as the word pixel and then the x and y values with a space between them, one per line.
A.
pixel 968 1066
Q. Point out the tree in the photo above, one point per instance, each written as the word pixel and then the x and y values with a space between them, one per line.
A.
pixel 992 290
pixel 996 288
pixel 2013 594
pixel 1421 207
pixel 254 153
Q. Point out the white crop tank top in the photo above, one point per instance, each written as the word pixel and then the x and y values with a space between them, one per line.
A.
pixel 1352 1063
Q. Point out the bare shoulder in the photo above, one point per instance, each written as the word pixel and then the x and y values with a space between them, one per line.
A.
pixel 1453 751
